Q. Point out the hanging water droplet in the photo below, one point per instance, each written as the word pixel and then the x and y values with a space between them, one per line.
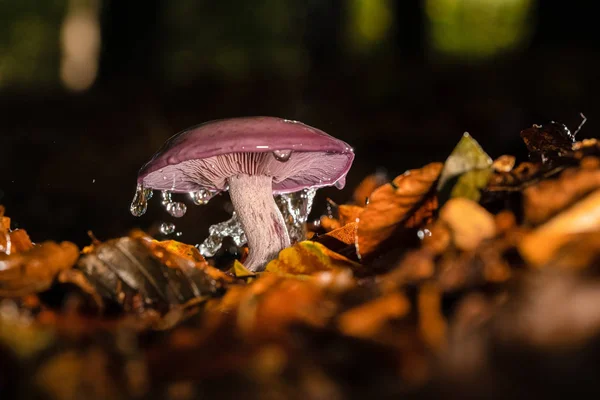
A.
pixel 139 204
pixel 282 155
pixel 166 198
pixel 340 183
pixel 176 209
pixel 201 197
pixel 166 228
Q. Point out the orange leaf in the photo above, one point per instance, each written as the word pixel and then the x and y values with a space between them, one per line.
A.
pixel 330 223
pixel 349 213
pixel 408 200
pixel 364 190
pixel 20 241
pixel 366 320
pixel 346 235
pixel 34 270
pixel 182 249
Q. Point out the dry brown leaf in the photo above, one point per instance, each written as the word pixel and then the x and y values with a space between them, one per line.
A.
pixel 339 238
pixel 539 246
pixel 549 197
pixel 34 270
pixel 329 223
pixel 366 320
pixel 349 213
pixel 469 223
pixel 364 190
pixel 396 203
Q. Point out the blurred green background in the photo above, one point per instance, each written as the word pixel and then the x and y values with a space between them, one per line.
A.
pixel 89 89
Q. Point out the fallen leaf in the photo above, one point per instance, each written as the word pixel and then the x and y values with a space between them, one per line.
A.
pixel 349 213
pixel 549 197
pixel 181 249
pixel 539 246
pixel 339 238
pixel 329 223
pixel 466 171
pixel 547 141
pixel 393 204
pixel 469 223
pixel 34 270
pixel 368 185
pixel 366 320
pixel 138 273
pixel 240 271
pixel 77 278
pixel 306 258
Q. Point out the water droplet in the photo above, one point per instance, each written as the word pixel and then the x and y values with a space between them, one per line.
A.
pixel 232 228
pixel 423 233
pixel 93 180
pixel 201 197
pixel 139 204
pixel 282 155
pixel 178 234
pixel 166 198
pixel 295 208
pixel 176 209
pixel 166 228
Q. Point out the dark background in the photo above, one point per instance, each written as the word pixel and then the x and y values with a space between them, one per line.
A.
pixel 90 89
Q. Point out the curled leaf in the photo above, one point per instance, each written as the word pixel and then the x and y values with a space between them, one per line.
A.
pixel 547 141
pixel 137 272
pixel 368 185
pixel 409 198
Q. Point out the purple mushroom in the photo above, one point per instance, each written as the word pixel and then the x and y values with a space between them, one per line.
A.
pixel 254 158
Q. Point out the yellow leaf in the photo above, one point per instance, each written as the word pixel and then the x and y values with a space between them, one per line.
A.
pixel 240 271
pixel 306 258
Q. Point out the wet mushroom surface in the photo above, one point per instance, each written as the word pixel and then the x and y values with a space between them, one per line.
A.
pixel 253 158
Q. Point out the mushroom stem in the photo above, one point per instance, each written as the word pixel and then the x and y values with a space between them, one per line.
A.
pixel 252 198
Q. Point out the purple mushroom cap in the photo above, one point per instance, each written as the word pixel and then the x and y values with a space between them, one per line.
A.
pixel 203 157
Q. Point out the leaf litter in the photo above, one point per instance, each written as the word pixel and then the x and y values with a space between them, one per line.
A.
pixel 446 280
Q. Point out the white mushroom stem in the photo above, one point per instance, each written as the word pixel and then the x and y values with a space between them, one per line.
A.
pixel 252 198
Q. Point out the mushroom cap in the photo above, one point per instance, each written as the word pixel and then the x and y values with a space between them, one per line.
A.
pixel 202 157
